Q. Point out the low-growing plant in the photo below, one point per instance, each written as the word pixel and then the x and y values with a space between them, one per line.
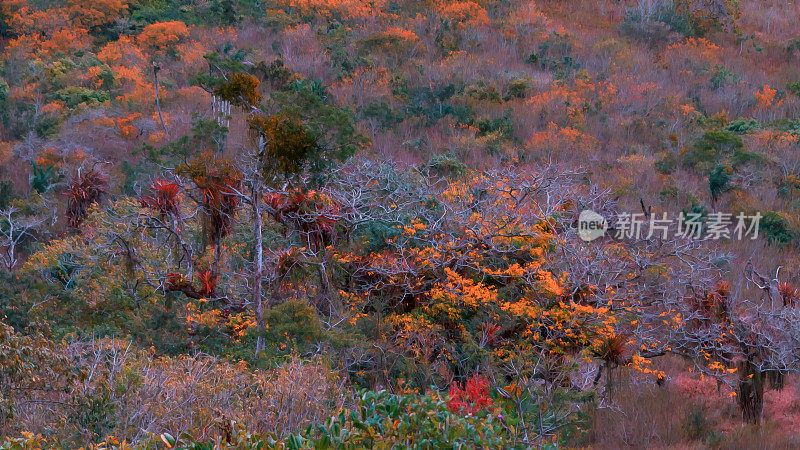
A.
pixel 555 54
pixel 775 228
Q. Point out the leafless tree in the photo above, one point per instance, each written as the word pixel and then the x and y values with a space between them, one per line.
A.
pixel 15 227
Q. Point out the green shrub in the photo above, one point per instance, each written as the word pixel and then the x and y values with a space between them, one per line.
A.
pixel 789 185
pixel 793 45
pixel 296 321
pixel 719 181
pixel 720 76
pixel 793 87
pixel 447 165
pixel 483 90
pixel 41 177
pixel 711 147
pixel 382 112
pixel 501 126
pixel 666 164
pixel 743 126
pixel 332 125
pixel 518 88
pixel 47 126
pixel 719 140
pixel 741 158
pixel 555 54
pixel 775 228
pixel 6 193
pixel 384 420
pixel 275 72
pixel 279 20
pixel 223 12
pixel 73 96
pixel 669 193
pixel 375 235
pixel 431 103
pixel 5 105
pixel 385 42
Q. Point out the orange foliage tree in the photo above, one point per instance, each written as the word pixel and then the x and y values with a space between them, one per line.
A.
pixel 96 13
pixel 161 37
pixel 456 276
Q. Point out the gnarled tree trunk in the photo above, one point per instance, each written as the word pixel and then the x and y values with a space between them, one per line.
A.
pixel 751 392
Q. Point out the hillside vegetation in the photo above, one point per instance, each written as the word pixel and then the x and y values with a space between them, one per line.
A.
pixel 357 224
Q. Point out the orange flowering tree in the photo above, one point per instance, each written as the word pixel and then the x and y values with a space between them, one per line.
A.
pixel 162 37
pixel 452 277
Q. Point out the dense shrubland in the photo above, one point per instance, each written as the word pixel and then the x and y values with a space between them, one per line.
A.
pixel 308 223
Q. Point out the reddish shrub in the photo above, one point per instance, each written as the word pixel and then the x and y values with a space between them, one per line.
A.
pixel 472 398
pixel 307 211
pixel 789 294
pixel 176 280
pixel 85 189
pixel 164 198
pixel 208 282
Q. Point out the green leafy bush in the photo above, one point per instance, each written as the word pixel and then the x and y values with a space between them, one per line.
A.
pixel 719 180
pixel 5 105
pixel 501 126
pixel 743 126
pixel 73 96
pixel 555 55
pixel 711 147
pixel 721 76
pixel 793 87
pixel 775 229
pixel 383 113
pixel 518 88
pixel 384 420
pixel 41 177
pixel 483 90
pixel 433 103
pixel 294 321
pixel 793 45
pixel 447 165
pixel 666 164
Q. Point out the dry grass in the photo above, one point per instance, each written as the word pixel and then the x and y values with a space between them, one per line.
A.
pixel 131 395
pixel 690 412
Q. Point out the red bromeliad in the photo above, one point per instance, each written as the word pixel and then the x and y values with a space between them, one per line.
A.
pixel 176 280
pixel 208 282
pixel 86 189
pixel 219 204
pixel 472 398
pixel 789 294
pixel 164 198
pixel 307 211
pixel 489 334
